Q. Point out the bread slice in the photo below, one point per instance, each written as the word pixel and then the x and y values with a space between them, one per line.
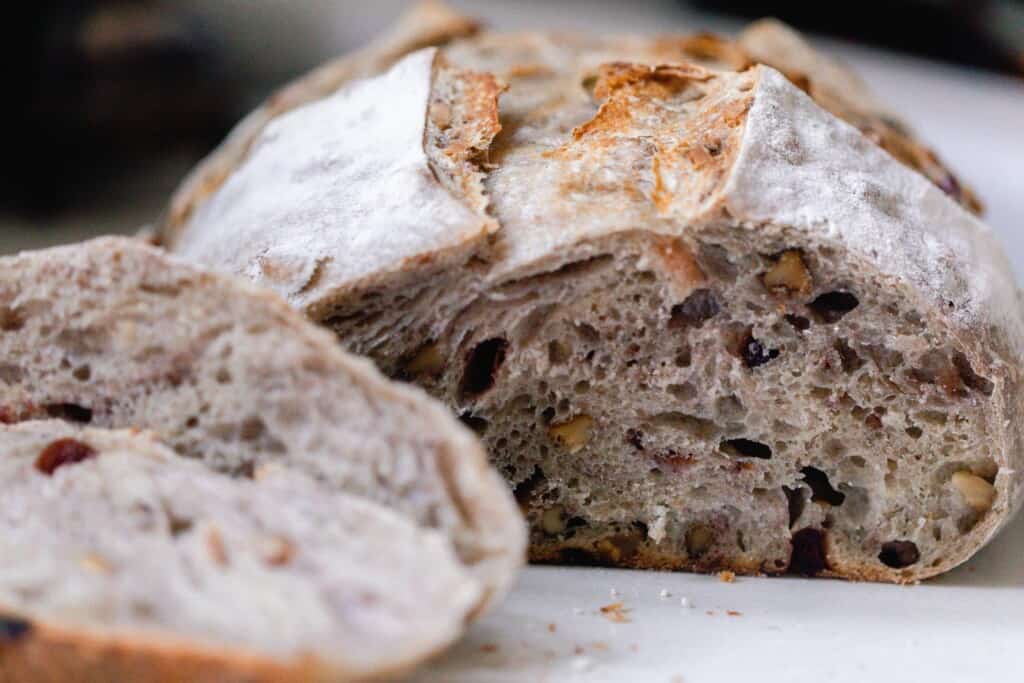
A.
pixel 714 327
pixel 115 334
pixel 122 561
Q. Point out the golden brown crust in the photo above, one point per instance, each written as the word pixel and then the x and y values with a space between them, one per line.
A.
pixel 46 653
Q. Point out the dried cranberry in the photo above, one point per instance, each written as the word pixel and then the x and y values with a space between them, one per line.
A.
pixel 755 354
pixel 63 452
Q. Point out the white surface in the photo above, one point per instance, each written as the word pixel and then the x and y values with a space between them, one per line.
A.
pixel 966 626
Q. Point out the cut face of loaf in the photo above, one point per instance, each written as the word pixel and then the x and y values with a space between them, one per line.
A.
pixel 120 559
pixel 714 326
pixel 114 334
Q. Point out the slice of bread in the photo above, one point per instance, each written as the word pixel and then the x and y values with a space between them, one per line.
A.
pixel 122 561
pixel 712 319
pixel 114 334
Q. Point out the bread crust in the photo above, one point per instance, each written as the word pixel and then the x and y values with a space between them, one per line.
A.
pixel 603 138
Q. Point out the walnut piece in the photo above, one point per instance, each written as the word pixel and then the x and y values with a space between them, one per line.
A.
pixel 553 520
pixel 427 361
pixel 574 434
pixel 789 274
pixel 977 492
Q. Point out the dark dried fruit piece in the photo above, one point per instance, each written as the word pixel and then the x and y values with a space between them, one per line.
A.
pixel 808 556
pixel 63 452
pixel 482 366
pixel 699 307
pixel 832 306
pixel 746 448
pixel 70 412
pixel 635 438
pixel 969 377
pixel 821 487
pixel 899 554
pixel 477 424
pixel 13 628
pixel 754 353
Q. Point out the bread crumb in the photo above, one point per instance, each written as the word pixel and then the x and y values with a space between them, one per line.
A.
pixel 664 594
pixel 710 613
pixel 552 627
pixel 488 647
pixel 616 613
pixel 578 650
pixel 581 664
pixel 599 645
pixel 734 613
pixel 726 576
pixel 685 602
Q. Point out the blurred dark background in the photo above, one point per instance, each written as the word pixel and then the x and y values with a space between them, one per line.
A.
pixel 113 100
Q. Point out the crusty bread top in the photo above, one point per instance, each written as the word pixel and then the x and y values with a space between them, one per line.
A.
pixel 119 334
pixel 113 535
pixel 320 157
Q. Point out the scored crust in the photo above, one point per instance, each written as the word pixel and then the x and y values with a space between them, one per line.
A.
pixel 643 159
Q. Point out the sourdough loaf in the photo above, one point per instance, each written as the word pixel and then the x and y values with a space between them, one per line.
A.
pixel 704 313
pixel 122 561
pixel 116 334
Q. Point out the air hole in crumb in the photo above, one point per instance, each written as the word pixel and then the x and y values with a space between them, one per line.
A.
pixel 82 373
pixel 899 554
pixel 746 448
pixel 914 432
pixel 699 307
pixel 223 376
pixel 832 306
pixel 482 367
pixel 821 487
pixel 179 525
pixel 527 490
pixel 796 501
pixel 857 461
pixel 192 422
pixel 699 538
pixel 474 422
pixel 548 415
pixel 252 429
pixel 808 554
pixel 588 333
pixel 683 358
pixel 683 392
pixel 798 322
pixel 635 438
pixel 71 412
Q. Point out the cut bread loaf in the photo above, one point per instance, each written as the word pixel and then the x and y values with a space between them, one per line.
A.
pixel 703 323
pixel 122 561
pixel 116 334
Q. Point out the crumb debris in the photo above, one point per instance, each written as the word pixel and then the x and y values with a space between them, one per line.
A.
pixel 582 664
pixel 552 627
pixel 664 594
pixel 726 576
pixel 733 613
pixel 685 602
pixel 710 612
pixel 615 612
pixel 599 645
pixel 488 648
pixel 578 650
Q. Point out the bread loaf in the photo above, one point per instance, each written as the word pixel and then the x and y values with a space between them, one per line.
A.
pixel 705 314
pixel 115 334
pixel 122 561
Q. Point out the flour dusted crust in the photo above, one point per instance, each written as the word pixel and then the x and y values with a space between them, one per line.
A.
pixel 324 605
pixel 821 344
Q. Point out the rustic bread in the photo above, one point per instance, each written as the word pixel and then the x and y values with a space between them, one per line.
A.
pixel 114 333
pixel 122 561
pixel 705 323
